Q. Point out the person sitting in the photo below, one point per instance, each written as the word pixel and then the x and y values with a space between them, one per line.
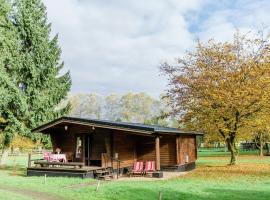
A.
pixel 58 150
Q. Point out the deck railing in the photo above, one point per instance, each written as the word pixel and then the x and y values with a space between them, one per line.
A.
pixel 30 160
pixel 108 161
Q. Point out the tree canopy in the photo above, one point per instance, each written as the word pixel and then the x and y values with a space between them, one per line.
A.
pixel 41 63
pixel 220 87
pixel 130 107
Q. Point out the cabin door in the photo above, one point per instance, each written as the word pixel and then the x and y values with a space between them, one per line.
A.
pixel 88 149
pixel 97 149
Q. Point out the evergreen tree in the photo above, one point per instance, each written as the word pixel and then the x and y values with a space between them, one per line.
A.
pixel 40 74
pixel 13 104
pixel 31 86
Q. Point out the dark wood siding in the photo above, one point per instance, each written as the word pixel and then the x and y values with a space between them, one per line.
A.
pixel 167 151
pixel 187 146
pixel 97 145
pixel 145 149
pixel 65 141
pixel 124 145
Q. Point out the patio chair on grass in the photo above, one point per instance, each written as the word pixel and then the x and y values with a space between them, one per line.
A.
pixel 137 169
pixel 150 167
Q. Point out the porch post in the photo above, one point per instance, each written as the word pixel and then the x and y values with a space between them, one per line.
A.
pixel 83 149
pixel 157 153
pixel 177 150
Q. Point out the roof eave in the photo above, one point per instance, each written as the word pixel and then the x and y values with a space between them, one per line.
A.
pixel 84 122
pixel 178 132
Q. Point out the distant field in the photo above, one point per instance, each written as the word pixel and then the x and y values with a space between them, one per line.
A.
pixel 208 152
pixel 213 179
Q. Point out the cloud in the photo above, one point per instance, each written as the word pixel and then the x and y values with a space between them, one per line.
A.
pixel 223 20
pixel 117 46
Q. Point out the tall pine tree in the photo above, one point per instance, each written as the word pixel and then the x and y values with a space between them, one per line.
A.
pixel 13 104
pixel 40 74
pixel 31 84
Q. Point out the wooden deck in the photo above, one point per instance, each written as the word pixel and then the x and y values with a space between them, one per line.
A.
pixel 84 172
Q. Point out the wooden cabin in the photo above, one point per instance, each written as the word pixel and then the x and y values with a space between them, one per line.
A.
pixel 100 143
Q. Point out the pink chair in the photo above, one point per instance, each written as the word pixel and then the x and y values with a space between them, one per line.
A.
pixel 150 167
pixel 137 169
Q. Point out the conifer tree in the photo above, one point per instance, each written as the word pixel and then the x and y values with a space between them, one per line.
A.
pixel 31 81
pixel 41 59
pixel 13 107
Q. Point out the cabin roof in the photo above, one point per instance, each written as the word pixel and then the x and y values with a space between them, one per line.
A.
pixel 147 129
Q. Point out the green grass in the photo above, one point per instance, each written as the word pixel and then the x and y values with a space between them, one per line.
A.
pixel 208 152
pixel 11 196
pixel 213 179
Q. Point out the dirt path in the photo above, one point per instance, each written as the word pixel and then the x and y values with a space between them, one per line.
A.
pixel 30 193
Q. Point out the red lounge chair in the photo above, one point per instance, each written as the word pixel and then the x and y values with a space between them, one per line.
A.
pixel 150 167
pixel 137 168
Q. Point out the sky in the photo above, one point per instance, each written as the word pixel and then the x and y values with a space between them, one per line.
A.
pixel 117 46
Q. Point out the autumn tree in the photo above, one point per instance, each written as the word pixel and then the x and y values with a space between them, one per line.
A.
pixel 137 107
pixel 219 87
pixel 260 128
pixel 112 107
pixel 86 105
pixel 130 107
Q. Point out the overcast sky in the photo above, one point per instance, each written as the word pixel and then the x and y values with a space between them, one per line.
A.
pixel 116 46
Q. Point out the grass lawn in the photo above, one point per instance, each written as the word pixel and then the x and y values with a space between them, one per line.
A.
pixel 213 179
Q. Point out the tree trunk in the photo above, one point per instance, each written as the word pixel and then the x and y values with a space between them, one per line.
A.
pixel 232 148
pixel 261 144
pixel 3 160
pixel 261 151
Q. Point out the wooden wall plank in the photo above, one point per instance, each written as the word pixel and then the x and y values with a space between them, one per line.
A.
pixel 187 148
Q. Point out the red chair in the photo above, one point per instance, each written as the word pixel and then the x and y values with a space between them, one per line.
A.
pixel 150 167
pixel 137 169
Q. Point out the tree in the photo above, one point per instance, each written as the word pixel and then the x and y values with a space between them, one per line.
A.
pixel 78 103
pixel 137 107
pixel 86 105
pixel 260 128
pixel 112 107
pixel 219 87
pixel 130 107
pixel 40 75
pixel 31 86
pixel 13 107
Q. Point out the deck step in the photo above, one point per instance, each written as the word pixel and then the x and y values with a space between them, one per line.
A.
pixel 101 171
pixel 106 177
pixel 104 174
